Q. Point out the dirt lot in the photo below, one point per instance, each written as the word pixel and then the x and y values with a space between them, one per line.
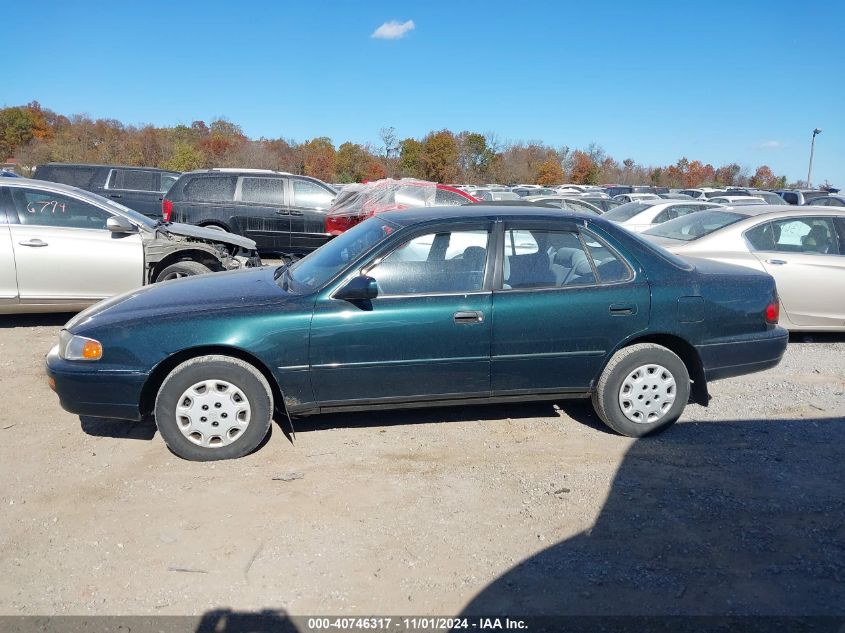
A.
pixel 536 508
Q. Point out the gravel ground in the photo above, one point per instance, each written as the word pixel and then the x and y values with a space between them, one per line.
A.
pixel 531 508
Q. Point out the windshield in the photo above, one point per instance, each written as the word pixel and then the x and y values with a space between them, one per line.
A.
pixel 627 211
pixel 313 271
pixel 695 225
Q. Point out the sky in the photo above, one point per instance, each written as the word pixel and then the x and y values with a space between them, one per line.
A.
pixel 718 81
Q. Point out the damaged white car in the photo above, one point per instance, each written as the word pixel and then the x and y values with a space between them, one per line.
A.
pixel 63 249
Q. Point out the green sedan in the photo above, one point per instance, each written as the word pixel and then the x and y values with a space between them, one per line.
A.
pixel 428 307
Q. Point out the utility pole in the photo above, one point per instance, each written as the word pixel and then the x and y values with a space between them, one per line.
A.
pixel 812 147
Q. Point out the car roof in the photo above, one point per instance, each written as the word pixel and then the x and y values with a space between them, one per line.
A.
pixel 239 170
pixel 775 210
pixel 489 212
pixel 42 184
pixel 98 165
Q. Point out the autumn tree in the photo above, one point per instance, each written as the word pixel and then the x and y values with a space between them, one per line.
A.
pixel 318 158
pixel 550 173
pixel 440 156
pixel 411 158
pixel 352 163
pixel 584 170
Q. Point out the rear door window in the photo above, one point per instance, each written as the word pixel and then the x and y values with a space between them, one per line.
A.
pixel 166 182
pixel 211 189
pixel 132 180
pixel 269 191
pixel 806 235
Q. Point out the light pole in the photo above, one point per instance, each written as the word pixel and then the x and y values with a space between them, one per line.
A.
pixel 812 147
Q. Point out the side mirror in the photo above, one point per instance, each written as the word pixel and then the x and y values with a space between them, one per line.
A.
pixel 117 224
pixel 358 289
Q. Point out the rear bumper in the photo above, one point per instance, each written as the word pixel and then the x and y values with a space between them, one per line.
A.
pixel 743 356
pixel 85 389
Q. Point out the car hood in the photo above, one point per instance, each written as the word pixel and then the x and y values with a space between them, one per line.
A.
pixel 184 297
pixel 212 235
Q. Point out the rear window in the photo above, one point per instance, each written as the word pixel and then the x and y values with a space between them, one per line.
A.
pixel 626 211
pixel 448 198
pixel 695 225
pixel 211 189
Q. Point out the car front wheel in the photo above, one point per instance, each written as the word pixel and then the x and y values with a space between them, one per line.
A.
pixel 214 407
pixel 187 268
pixel 644 388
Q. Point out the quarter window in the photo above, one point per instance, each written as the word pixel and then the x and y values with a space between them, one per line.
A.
pixel 42 208
pixel 310 195
pixel 446 262
pixel 263 190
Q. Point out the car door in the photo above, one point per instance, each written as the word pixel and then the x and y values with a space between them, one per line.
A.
pixel 806 256
pixel 308 205
pixel 261 212
pixel 8 280
pixel 566 299
pixel 64 253
pixel 137 189
pixel 427 334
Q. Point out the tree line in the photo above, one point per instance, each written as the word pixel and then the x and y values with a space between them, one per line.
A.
pixel 33 135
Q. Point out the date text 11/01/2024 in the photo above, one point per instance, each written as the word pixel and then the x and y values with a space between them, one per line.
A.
pixel 416 624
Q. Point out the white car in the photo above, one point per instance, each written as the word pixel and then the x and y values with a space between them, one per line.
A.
pixel 642 215
pixel 62 248
pixel 702 193
pixel 737 201
pixel 803 248
pixel 632 197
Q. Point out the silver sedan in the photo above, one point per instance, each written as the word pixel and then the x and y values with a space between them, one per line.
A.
pixel 803 248
pixel 62 248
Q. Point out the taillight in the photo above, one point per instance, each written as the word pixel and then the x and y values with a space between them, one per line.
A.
pixel 773 312
pixel 166 209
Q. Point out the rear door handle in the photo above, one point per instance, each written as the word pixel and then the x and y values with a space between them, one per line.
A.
pixel 296 213
pixel 34 242
pixel 282 212
pixel 469 316
pixel 623 309
pixel 115 195
pixel 776 262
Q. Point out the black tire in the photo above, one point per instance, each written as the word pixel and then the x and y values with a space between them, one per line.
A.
pixel 185 268
pixel 606 398
pixel 240 375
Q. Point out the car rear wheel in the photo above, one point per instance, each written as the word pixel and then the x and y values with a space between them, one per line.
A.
pixel 181 269
pixel 214 407
pixel 644 388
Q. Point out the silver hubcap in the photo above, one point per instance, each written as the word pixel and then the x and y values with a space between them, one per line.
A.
pixel 647 393
pixel 213 413
pixel 174 275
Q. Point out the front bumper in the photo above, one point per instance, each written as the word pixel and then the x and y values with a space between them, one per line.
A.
pixel 743 356
pixel 94 389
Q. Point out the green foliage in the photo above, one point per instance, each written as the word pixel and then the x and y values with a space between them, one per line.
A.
pixel 184 158
pixel 410 158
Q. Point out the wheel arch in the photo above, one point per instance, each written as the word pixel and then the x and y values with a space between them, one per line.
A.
pixel 192 254
pixel 163 369
pixel 687 353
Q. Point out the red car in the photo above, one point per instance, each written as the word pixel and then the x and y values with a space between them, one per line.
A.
pixel 357 202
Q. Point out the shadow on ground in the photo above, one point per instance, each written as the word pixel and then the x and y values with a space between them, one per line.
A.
pixel 717 518
pixel 51 319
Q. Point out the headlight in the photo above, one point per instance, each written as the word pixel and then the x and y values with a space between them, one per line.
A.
pixel 72 347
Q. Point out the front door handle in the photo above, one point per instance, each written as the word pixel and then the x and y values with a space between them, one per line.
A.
pixel 296 213
pixel 34 243
pixel 282 212
pixel 469 316
pixel 776 262
pixel 115 195
pixel 623 309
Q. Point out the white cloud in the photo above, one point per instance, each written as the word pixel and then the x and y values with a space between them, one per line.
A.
pixel 771 145
pixel 393 30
